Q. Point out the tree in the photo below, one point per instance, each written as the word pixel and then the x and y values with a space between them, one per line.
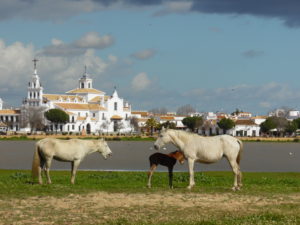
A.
pixel 236 112
pixel 34 117
pixel 268 125
pixel 226 124
pixel 119 126
pixel 280 123
pixel 193 123
pixel 185 110
pixel 134 123
pixel 151 124
pixel 281 112
pixel 57 116
pixel 291 127
pixel 297 121
pixel 105 125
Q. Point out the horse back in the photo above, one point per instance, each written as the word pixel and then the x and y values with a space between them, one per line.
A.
pixel 161 159
pixel 64 150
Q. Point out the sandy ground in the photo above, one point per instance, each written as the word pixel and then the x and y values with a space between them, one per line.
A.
pixel 102 207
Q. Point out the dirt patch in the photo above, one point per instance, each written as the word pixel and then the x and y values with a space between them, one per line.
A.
pixel 103 207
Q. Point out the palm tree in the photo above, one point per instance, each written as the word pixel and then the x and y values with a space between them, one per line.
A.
pixel 151 124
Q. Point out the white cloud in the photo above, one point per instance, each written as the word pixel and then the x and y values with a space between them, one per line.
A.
pixel 59 73
pixel 90 40
pixel 144 54
pixel 140 82
pixel 14 64
pixel 94 40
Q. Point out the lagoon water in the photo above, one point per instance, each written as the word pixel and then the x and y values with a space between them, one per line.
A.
pixel 133 156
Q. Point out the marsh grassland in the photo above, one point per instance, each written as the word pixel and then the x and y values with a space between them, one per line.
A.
pixel 122 198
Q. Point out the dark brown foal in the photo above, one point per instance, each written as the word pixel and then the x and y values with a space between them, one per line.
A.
pixel 168 160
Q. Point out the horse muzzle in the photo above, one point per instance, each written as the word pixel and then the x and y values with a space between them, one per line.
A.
pixel 156 147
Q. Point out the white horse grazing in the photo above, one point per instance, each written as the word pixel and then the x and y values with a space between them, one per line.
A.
pixel 204 150
pixel 73 150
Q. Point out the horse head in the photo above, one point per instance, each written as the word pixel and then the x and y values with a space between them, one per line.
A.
pixel 179 156
pixel 103 148
pixel 163 138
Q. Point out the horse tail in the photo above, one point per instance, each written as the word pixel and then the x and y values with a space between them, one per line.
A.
pixel 238 159
pixel 36 162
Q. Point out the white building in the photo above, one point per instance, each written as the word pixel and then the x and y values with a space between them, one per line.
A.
pixel 246 128
pixel 90 110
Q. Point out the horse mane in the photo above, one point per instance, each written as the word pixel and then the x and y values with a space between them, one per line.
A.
pixel 183 135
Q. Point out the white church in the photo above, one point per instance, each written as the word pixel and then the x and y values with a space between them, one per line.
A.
pixel 90 110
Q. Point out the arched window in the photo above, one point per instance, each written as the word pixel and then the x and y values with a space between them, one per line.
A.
pixel 82 85
pixel 116 106
pixel 89 85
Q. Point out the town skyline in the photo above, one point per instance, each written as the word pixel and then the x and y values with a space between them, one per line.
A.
pixel 215 57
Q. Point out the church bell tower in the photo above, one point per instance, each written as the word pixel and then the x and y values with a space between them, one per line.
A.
pixel 34 89
pixel 85 82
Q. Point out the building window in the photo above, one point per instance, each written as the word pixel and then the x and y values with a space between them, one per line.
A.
pixel 82 85
pixel 73 127
pixel 94 114
pixel 73 120
pixel 126 116
pixel 103 116
pixel 116 106
pixel 89 85
pixel 78 113
pixel 86 114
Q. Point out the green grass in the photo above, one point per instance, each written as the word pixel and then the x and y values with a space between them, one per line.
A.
pixel 16 187
pixel 15 183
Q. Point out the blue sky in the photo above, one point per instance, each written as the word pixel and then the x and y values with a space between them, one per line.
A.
pixel 216 55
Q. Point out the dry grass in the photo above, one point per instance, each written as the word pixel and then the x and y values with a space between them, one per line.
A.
pixel 148 208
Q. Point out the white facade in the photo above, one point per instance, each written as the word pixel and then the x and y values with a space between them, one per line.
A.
pixel 245 128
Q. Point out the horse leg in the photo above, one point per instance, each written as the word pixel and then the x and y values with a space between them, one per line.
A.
pixel 170 168
pixel 75 165
pixel 41 166
pixel 150 173
pixel 237 175
pixel 47 169
pixel 191 171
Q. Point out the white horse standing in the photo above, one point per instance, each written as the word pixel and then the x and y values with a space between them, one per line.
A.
pixel 73 150
pixel 205 150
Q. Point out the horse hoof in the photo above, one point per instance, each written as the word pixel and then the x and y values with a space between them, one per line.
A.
pixel 235 188
pixel 189 187
pixel 148 186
